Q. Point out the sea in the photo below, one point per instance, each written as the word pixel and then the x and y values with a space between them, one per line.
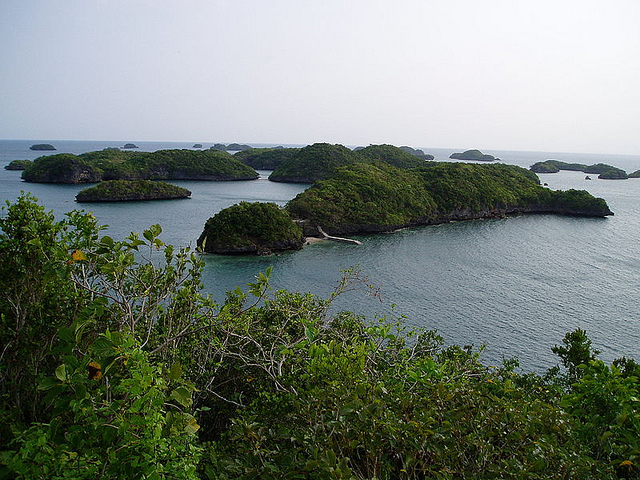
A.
pixel 510 287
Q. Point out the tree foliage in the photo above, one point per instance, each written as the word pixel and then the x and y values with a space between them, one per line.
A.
pixel 127 190
pixel 250 228
pixel 111 164
pixel 364 198
pixel 115 365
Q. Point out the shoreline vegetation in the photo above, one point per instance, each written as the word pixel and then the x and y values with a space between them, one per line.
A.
pixel 115 365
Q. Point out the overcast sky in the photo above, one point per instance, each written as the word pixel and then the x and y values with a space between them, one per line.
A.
pixel 551 75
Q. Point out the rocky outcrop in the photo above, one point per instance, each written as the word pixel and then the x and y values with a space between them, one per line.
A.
pixel 129 146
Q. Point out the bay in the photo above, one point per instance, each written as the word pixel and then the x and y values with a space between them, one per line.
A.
pixel 516 284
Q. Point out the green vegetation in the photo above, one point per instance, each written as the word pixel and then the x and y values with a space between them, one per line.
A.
pixel 605 171
pixel 473 155
pixel 635 174
pixel 128 190
pixel 112 164
pixel 257 228
pixel 375 198
pixel 42 146
pixel 313 162
pixel 321 160
pixel 265 158
pixel 18 164
pixel 417 152
pixel 396 156
pixel 114 365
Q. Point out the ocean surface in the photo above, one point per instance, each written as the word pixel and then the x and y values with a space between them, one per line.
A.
pixel 515 285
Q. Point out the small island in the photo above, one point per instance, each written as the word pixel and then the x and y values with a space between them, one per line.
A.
pixel 197 145
pixel 42 146
pixel 251 228
pixel 604 171
pixel 476 155
pixel 130 146
pixel 131 190
pixel 18 164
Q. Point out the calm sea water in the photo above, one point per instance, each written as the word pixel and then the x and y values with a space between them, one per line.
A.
pixel 517 284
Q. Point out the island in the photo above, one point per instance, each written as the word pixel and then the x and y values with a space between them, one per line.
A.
pixel 417 152
pixel 232 147
pixel 250 228
pixel 130 145
pixel 266 158
pixel 476 155
pixel 92 167
pixel 604 171
pixel 131 190
pixel 396 156
pixel 635 174
pixel 18 164
pixel 374 198
pixel 42 146
pixel 313 162
pixel 321 160
pixel 197 145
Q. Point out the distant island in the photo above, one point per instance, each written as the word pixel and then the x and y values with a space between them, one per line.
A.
pixel 476 155
pixel 131 190
pixel 232 147
pixel 18 164
pixel 197 145
pixel 251 228
pixel 42 146
pixel 606 172
pixel 130 145
pixel 92 167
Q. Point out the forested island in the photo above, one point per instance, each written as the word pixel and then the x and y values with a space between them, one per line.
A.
pixel 365 198
pixel 42 146
pixel 110 164
pixel 251 228
pixel 372 198
pixel 131 190
pixel 606 172
pixel 321 160
pixel 117 365
pixel 475 155
pixel 18 164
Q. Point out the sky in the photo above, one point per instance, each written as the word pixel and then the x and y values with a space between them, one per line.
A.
pixel 543 75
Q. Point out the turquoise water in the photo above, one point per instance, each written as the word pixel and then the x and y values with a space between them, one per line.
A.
pixel 516 285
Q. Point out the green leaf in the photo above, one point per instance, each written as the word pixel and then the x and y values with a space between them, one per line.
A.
pixel 182 395
pixel 176 372
pixel 103 347
pixel 61 373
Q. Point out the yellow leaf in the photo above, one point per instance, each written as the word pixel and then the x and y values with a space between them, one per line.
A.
pixel 78 255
